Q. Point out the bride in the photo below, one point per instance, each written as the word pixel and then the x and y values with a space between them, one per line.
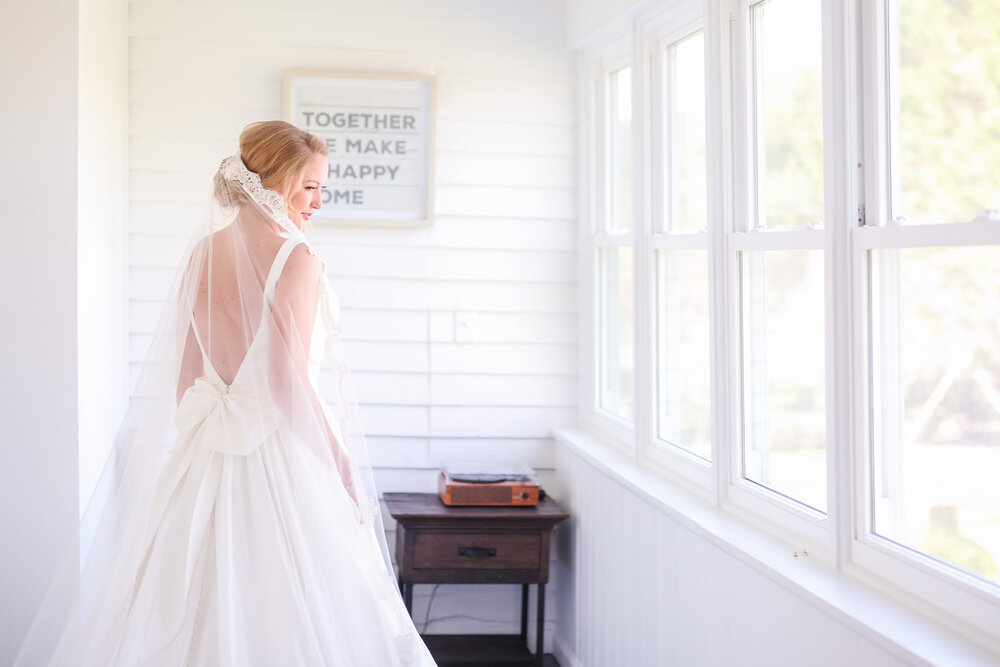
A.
pixel 237 522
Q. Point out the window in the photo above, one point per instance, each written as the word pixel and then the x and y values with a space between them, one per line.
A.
pixel 612 240
pixel 619 133
pixel 930 257
pixel 794 277
pixel 784 442
pixel 944 99
pixel 936 404
pixel 787 99
pixel 780 257
pixel 679 247
pixel 616 332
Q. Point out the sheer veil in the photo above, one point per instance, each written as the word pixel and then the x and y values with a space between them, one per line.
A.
pixel 247 361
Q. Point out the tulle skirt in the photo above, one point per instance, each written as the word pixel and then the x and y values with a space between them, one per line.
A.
pixel 248 559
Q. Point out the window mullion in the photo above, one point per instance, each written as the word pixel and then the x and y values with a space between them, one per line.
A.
pixel 723 99
pixel 679 242
pixel 799 239
pixel 952 234
pixel 842 201
pixel 642 224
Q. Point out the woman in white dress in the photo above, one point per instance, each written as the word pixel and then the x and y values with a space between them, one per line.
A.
pixel 238 524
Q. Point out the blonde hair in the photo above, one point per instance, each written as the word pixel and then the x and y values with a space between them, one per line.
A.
pixel 276 151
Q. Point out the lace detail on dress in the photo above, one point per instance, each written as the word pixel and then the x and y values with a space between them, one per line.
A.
pixel 367 506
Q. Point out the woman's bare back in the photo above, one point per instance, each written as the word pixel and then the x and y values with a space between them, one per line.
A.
pixel 229 298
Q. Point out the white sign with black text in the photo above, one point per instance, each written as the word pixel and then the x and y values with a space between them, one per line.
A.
pixel 379 133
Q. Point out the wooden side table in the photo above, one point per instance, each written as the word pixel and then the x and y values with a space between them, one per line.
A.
pixel 437 544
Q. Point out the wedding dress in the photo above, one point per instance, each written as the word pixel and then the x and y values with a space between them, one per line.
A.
pixel 246 532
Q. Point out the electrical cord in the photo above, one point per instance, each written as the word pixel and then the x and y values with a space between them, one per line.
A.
pixel 427 612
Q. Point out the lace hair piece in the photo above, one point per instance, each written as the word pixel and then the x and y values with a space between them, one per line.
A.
pixel 233 169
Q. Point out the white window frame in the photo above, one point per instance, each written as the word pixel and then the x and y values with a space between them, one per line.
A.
pixel 654 36
pixel 595 68
pixel 970 606
pixel 786 517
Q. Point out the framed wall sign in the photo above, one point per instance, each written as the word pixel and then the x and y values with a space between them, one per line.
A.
pixel 379 129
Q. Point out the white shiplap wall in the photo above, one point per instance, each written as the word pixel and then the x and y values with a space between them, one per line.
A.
pixel 462 336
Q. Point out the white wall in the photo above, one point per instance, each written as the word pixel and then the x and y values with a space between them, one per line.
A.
pixel 587 20
pixel 103 116
pixel 38 264
pixel 461 335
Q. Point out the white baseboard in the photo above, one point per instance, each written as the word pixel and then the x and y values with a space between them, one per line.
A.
pixel 564 654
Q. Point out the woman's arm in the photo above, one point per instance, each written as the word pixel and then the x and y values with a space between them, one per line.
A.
pixel 192 363
pixel 296 302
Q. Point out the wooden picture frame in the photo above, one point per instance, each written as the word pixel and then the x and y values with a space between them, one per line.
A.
pixel 379 129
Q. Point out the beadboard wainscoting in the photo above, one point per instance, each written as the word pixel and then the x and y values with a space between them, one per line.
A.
pixel 638 587
pixel 648 575
pixel 461 335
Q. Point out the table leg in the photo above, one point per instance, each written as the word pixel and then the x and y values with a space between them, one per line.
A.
pixel 540 632
pixel 524 613
pixel 407 591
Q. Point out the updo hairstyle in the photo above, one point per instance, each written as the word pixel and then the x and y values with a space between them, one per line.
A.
pixel 277 152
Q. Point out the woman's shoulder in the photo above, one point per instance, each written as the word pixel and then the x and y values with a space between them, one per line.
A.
pixel 302 268
pixel 304 258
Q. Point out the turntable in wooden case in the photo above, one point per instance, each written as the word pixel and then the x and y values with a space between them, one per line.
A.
pixel 489 485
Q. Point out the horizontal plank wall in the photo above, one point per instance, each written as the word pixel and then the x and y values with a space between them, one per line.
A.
pixel 462 335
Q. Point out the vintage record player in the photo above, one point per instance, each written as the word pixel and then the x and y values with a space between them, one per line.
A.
pixel 488 484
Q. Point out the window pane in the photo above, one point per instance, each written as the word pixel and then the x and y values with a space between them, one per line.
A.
pixel 948 153
pixel 685 169
pixel 616 331
pixel 682 351
pixel 620 149
pixel 784 446
pixel 936 411
pixel 788 93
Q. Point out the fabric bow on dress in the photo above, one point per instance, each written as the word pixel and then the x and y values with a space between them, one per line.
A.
pixel 226 419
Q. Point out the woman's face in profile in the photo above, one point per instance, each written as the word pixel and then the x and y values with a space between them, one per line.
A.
pixel 305 197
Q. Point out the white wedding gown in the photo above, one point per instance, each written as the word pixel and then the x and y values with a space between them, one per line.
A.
pixel 254 553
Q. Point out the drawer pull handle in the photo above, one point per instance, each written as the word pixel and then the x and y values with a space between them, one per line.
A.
pixel 477 552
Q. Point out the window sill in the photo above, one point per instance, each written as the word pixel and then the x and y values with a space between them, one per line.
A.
pixel 907 634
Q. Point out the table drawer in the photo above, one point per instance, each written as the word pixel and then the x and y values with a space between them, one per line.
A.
pixel 516 551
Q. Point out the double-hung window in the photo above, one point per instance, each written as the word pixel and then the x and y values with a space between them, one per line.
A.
pixel 777 255
pixel 928 258
pixel 611 239
pixel 676 246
